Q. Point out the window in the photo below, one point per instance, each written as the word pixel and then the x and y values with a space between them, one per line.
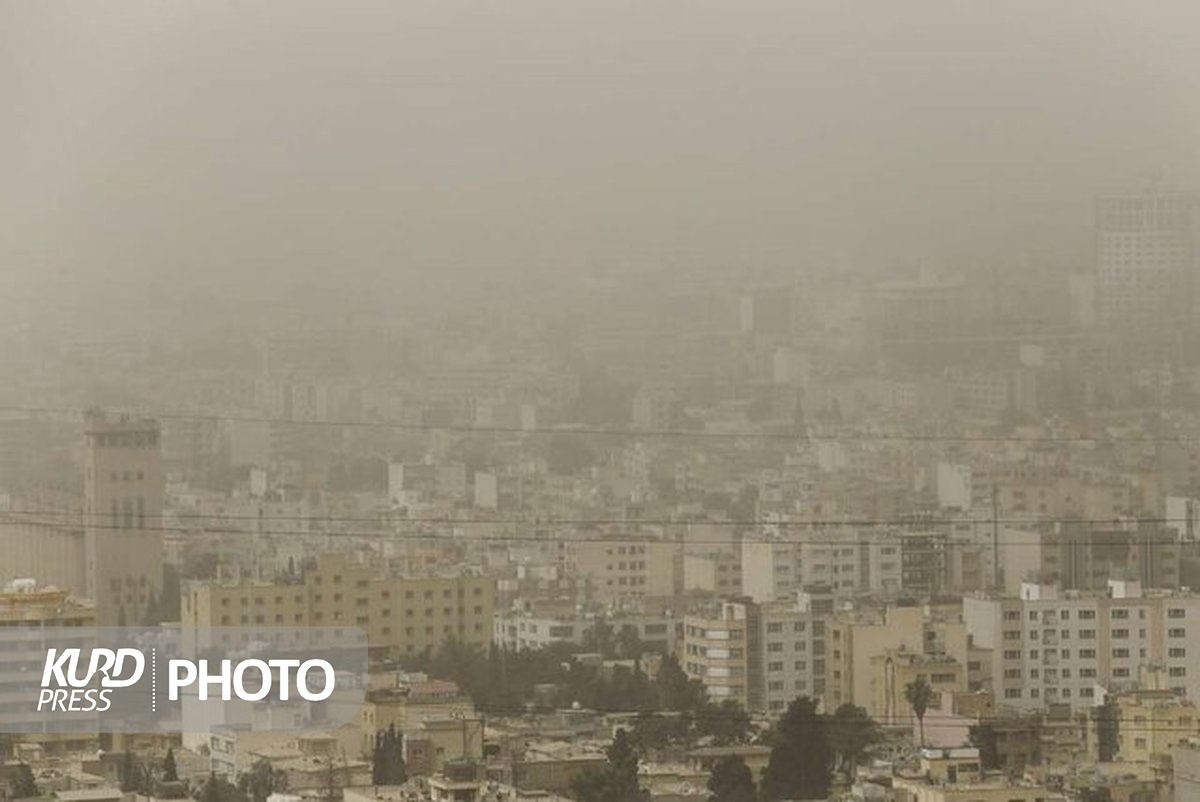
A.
pixel 1175 612
pixel 1087 634
pixel 1177 671
pixel 1120 653
pixel 1120 634
pixel 1087 654
pixel 1012 693
pixel 1120 612
pixel 1087 615
pixel 1176 632
pixel 1177 652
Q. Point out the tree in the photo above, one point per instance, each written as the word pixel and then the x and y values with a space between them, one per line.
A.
pixel 798 767
pixel 615 782
pixel 216 789
pixel 983 738
pixel 331 788
pixel 726 723
pixel 23 783
pixel 130 773
pixel 851 731
pixel 387 762
pixel 170 772
pixel 598 638
pixel 1108 731
pixel 676 691
pixel 731 781
pixel 629 643
pixel 623 761
pixel 261 781
pixel 918 694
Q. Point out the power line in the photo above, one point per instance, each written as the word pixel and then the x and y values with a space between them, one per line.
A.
pixel 595 431
pixel 898 521
pixel 614 538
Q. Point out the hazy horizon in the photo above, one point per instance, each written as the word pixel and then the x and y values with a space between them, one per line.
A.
pixel 259 149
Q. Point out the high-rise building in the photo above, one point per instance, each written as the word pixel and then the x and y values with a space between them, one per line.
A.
pixel 401 616
pixel 32 608
pixel 1052 646
pixel 123 488
pixel 1145 258
pixel 760 655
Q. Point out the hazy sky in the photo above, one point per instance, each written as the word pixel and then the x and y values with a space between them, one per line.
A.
pixel 239 145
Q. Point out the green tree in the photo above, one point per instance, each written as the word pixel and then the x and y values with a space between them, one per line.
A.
pixel 851 731
pixel 598 638
pixel 23 783
pixel 731 781
pixel 130 773
pixel 918 694
pixel 675 689
pixel 798 767
pixel 261 781
pixel 387 762
pixel 726 723
pixel 615 782
pixel 331 786
pixel 629 643
pixel 170 772
pixel 653 731
pixel 983 738
pixel 217 790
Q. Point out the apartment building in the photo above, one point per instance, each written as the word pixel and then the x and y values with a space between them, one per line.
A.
pixel 1145 257
pixel 517 629
pixel 28 607
pixel 123 536
pixel 854 638
pixel 1149 722
pixel 409 702
pixel 400 615
pixel 870 649
pixel 612 571
pixel 723 652
pixel 761 656
pixel 1052 646
pixel 956 775
pixel 846 561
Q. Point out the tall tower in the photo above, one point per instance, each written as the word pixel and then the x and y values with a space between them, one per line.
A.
pixel 1146 254
pixel 123 483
